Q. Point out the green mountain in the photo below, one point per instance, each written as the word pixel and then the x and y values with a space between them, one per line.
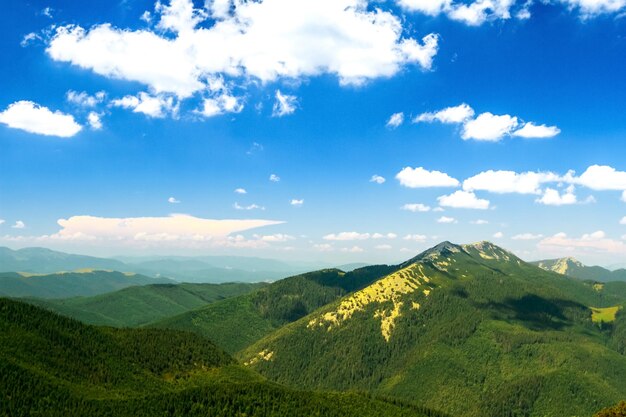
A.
pixel 235 323
pixel 471 330
pixel 54 366
pixel 70 284
pixel 574 268
pixel 139 305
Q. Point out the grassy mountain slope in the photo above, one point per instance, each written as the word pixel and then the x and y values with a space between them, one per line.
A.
pixel 71 284
pixel 136 306
pixel 574 268
pixel 471 330
pixel 55 366
pixel 237 322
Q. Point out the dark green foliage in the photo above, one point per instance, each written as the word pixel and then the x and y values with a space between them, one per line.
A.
pixel 54 366
pixel 136 306
pixel 237 322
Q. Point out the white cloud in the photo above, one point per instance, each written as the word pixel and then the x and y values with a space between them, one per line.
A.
pixel 323 247
pixel 1 221
pixel 237 206
pixel 146 17
pixel 509 182
pixel 531 130
pixel 456 114
pixel 240 191
pixel 19 225
pixel 33 118
pixel 472 14
pixel 94 120
pixel 173 200
pixel 275 238
pixel 274 178
pixel 176 230
pixel 153 106
pixel 296 202
pixel 416 238
pixel 395 120
pixel 415 207
pixel 446 220
pixel 343 236
pixel 284 105
pixel 479 222
pixel 596 242
pixel 266 40
pixel 84 99
pixel 526 236
pixel 384 236
pixel 47 11
pixel 489 127
pixel 623 220
pixel 463 199
pixel 552 197
pixel 383 247
pixel 486 126
pixel 353 249
pixel 421 178
pixel 592 8
pixel 624 196
pixel 600 177
pixel 498 235
pixel 29 38
pixel 379 180
pixel 220 104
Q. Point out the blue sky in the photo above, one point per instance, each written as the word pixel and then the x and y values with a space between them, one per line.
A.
pixel 126 127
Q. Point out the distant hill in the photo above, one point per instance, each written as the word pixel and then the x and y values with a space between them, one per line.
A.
pixel 56 367
pixel 44 261
pixel 573 268
pixel 237 322
pixel 140 305
pixel 70 284
pixel 471 330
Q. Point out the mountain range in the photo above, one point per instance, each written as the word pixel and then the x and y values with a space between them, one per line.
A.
pixel 574 268
pixel 462 330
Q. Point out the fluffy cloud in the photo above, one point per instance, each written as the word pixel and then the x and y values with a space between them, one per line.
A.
pixel 416 238
pixel 622 221
pixel 463 199
pixel 487 126
pixel 347 236
pixel 377 179
pixel 19 225
pixel 175 229
pixel 446 220
pixel 600 177
pixel 531 130
pixel 624 196
pixel 247 39
pixel 274 178
pixel 509 182
pixel 498 235
pixel 395 120
pixel 275 238
pixel 421 178
pixel 591 8
pixel 596 242
pixel 472 14
pixel 220 104
pixel 173 200
pixel 33 118
pixel 83 99
pixel 94 120
pixel 1 221
pixel 457 114
pixel 526 236
pixel 240 191
pixel 552 197
pixel 297 203
pixel 415 207
pixel 284 105
pixel 153 106
pixel 384 236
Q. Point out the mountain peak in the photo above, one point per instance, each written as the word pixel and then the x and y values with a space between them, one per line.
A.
pixel 442 249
